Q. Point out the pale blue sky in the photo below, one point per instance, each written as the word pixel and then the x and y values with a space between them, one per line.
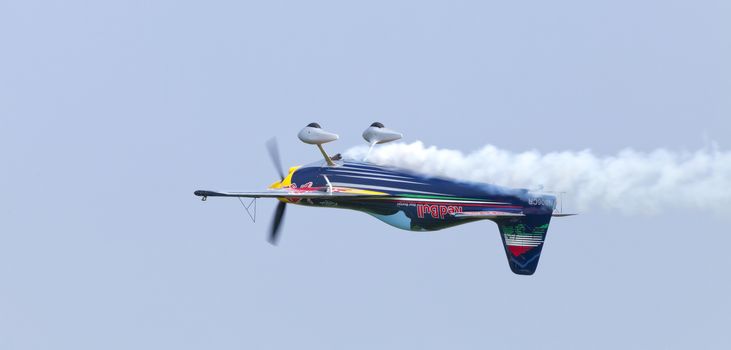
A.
pixel 113 112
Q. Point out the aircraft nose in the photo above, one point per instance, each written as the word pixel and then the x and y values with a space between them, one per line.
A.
pixel 284 183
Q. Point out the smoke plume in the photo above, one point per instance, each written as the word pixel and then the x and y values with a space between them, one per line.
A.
pixel 630 181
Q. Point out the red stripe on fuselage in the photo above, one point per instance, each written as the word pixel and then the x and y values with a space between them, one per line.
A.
pixel 461 204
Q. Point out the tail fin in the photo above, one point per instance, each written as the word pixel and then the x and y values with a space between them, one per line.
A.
pixel 523 239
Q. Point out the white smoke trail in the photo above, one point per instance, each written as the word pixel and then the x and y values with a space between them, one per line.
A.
pixel 630 181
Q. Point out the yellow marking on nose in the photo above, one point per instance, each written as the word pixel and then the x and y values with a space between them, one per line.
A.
pixel 287 181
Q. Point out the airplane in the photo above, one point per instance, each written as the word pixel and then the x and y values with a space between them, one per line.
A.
pixel 406 199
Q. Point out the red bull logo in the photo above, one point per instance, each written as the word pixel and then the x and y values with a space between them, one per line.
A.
pixel 436 211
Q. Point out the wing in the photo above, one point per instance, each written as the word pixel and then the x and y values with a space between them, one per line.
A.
pixel 285 193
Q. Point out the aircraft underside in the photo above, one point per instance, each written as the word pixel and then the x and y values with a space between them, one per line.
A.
pixel 405 199
pixel 406 216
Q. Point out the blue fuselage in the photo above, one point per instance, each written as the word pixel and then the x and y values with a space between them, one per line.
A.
pixel 415 201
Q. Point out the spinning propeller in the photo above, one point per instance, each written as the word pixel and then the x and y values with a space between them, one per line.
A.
pixel 279 212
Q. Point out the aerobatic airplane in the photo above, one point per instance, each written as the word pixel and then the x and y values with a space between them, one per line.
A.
pixel 405 199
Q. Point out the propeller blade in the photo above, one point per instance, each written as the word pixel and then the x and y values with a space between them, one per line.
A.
pixel 277 223
pixel 274 155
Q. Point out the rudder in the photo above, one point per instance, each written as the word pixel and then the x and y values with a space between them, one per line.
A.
pixel 523 239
